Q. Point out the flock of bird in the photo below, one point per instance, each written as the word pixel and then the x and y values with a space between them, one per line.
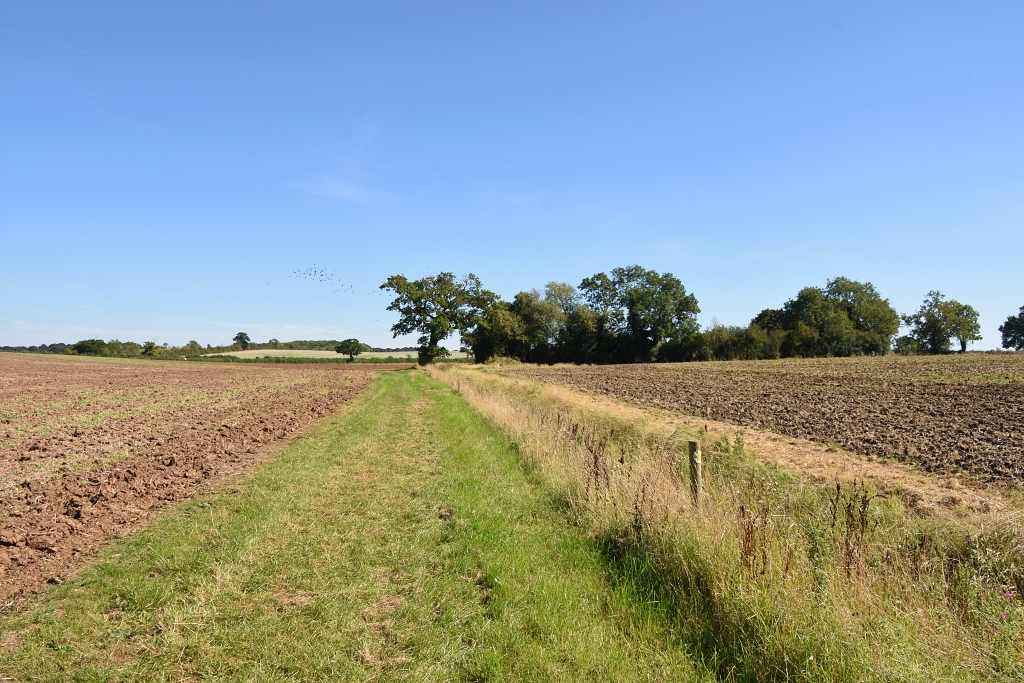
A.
pixel 318 274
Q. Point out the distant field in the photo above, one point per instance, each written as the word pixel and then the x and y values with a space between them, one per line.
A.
pixel 282 353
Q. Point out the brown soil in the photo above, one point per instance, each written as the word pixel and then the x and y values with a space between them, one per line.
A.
pixel 88 447
pixel 946 414
pixel 927 493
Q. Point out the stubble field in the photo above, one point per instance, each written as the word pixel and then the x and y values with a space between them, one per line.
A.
pixel 947 414
pixel 89 446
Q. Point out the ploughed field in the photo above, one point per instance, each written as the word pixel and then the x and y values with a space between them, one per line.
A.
pixel 89 446
pixel 947 413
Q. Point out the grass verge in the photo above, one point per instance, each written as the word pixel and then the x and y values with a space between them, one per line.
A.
pixel 774 577
pixel 402 540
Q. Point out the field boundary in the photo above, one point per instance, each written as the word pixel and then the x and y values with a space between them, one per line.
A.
pixel 952 415
pixel 777 575
pixel 929 492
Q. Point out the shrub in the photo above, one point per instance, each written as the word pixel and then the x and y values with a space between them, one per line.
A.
pixel 906 345
pixel 90 347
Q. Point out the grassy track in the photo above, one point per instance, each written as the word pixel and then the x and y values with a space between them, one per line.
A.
pixel 401 541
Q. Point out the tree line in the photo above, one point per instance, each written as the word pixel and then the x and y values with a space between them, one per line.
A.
pixel 115 348
pixel 638 315
pixel 630 315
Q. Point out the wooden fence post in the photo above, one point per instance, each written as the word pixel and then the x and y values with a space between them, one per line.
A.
pixel 696 471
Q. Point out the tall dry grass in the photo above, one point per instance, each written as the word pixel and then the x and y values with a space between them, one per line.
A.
pixel 773 577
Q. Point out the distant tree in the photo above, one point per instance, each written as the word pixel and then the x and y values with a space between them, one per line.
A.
pixel 963 323
pixel 817 325
pixel 542 320
pixel 436 306
pixel 350 347
pixel 114 348
pixel 90 347
pixel 1013 331
pixel 720 342
pixel 643 308
pixel 194 348
pixel 499 332
pixel 242 339
pixel 556 327
pixel 769 319
pixel 928 325
pixel 939 321
pixel 875 321
pixel 622 317
pixel 906 344
pixel 149 348
pixel 844 318
pixel 564 295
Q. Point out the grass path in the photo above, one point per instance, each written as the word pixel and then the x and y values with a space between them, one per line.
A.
pixel 400 541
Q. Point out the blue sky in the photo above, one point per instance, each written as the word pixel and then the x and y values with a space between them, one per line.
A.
pixel 165 168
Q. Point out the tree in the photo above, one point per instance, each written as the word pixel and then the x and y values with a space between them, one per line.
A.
pixel 542 321
pixel 90 347
pixel 242 339
pixel 528 328
pixel 817 325
pixel 1013 331
pixel 928 325
pixel 350 347
pixel 114 348
pixel 499 332
pixel 564 295
pixel 720 342
pixel 876 322
pixel 844 318
pixel 436 306
pixel 769 319
pixel 906 345
pixel 963 323
pixel 149 348
pixel 643 307
pixel 558 327
pixel 939 320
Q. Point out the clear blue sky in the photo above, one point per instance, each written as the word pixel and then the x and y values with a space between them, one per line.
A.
pixel 165 167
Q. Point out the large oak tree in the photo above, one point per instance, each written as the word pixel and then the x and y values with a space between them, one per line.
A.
pixel 436 306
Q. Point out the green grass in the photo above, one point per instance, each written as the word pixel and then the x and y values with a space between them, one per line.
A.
pixel 776 577
pixel 402 540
